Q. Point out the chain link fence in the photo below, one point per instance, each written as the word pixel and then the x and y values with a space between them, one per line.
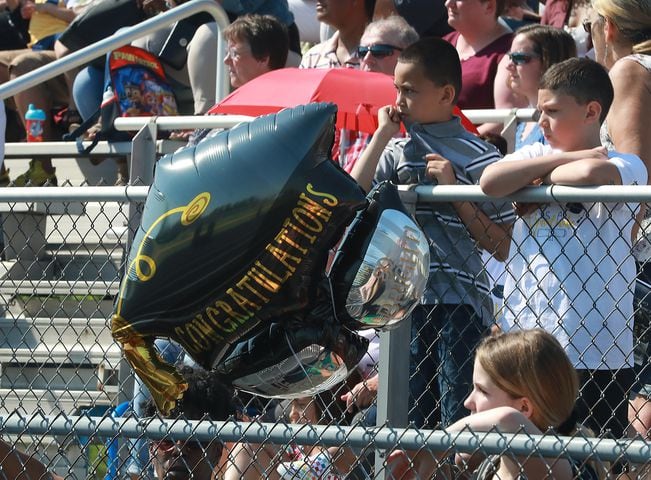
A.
pixel 71 402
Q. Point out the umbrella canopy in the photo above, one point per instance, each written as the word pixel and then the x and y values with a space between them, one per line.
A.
pixel 357 94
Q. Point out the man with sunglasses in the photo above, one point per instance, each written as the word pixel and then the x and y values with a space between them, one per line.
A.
pixel 382 42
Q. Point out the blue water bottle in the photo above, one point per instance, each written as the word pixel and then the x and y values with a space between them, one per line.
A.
pixel 34 121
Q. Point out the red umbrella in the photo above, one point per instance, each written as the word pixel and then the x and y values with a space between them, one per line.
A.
pixel 358 95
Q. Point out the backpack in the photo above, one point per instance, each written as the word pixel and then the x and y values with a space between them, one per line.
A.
pixel 136 87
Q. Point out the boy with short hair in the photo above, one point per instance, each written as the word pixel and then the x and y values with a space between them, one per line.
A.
pixel 456 305
pixel 570 269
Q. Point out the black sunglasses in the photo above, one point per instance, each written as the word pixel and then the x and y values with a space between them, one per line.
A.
pixel 520 58
pixel 587 24
pixel 379 50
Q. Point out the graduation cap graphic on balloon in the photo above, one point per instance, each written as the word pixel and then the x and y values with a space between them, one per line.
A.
pixel 230 261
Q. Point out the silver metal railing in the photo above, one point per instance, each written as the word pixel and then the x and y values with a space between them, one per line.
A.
pixel 439 193
pixel 577 447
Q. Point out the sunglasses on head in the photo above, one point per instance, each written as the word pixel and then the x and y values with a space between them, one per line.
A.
pixel 379 50
pixel 520 58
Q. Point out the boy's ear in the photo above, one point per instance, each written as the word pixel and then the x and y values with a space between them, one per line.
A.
pixel 593 111
pixel 448 94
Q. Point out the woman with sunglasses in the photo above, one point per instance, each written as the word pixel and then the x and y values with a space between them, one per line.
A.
pixel 621 34
pixel 534 49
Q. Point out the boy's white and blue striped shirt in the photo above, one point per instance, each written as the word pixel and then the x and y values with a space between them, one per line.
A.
pixel 457 274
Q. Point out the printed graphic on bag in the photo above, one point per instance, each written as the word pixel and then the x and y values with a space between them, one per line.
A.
pixel 139 84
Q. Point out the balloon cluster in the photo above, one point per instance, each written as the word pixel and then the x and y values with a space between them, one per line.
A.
pixel 261 257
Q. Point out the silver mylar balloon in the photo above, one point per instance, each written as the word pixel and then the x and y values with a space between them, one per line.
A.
pixel 308 372
pixel 393 275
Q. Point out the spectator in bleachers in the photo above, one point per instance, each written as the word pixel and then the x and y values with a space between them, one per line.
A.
pixel 253 461
pixel 570 15
pixel 14 33
pixel 481 41
pixel 389 36
pixel 523 382
pixel 47 21
pixel 304 12
pixel 517 14
pixel 570 268
pixel 350 18
pixel 256 44
pixel 206 398
pixel 428 17
pixel 449 324
pixel 535 48
pixel 621 33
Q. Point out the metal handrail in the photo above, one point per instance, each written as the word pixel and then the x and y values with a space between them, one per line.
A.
pixel 426 194
pixel 175 122
pixel 501 115
pixel 549 445
pixel 124 37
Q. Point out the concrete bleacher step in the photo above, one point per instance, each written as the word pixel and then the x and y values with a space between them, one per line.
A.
pixel 46 287
pixel 79 333
pixel 51 401
pixel 108 355
pixel 18 376
pixel 58 300
pixel 100 223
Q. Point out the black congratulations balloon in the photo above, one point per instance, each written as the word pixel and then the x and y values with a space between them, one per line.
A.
pixel 235 232
pixel 380 269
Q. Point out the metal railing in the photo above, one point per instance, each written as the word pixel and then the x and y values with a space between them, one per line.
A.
pixel 578 447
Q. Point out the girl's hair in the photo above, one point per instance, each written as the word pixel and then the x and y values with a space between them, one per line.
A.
pixel 552 44
pixel 633 20
pixel 532 364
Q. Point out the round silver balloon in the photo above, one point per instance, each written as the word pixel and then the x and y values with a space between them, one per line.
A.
pixel 393 274
pixel 309 371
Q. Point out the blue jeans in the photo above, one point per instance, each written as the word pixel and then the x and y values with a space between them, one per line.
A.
pixel 443 342
pixel 87 91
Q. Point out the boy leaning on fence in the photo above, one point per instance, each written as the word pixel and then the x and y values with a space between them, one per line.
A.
pixel 570 269
pixel 456 306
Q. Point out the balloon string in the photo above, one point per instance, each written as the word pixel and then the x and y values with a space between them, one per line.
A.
pixel 298 359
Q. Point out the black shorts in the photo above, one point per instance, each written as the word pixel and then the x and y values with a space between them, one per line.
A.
pixel 99 21
pixel 603 400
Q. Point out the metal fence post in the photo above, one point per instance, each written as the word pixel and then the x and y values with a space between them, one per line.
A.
pixel 393 369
